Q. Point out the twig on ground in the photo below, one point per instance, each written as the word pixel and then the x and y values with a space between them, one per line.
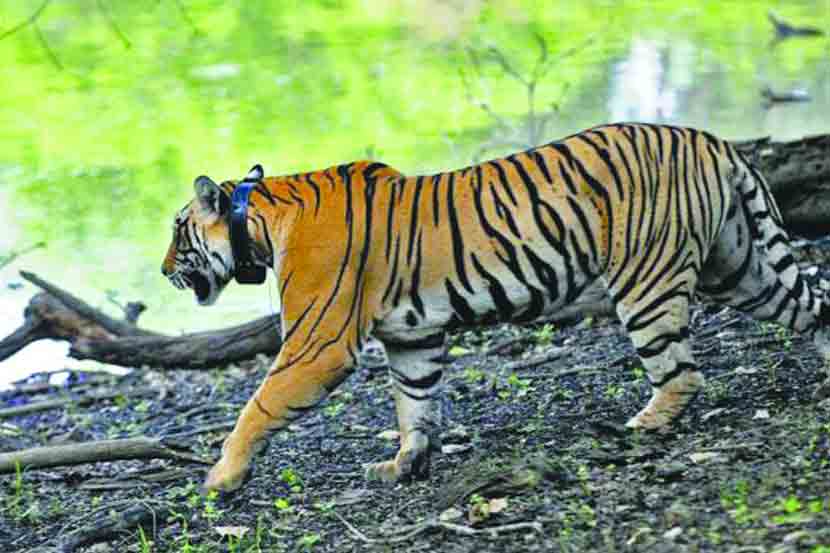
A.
pixel 92 379
pixel 90 452
pixel 132 480
pixel 116 523
pixel 82 401
pixel 222 425
pixel 546 357
pixel 408 532
pixel 505 344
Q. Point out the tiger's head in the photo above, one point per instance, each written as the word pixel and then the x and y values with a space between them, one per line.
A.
pixel 200 255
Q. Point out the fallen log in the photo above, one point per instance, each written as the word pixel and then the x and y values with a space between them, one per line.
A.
pixel 91 452
pixel 798 173
pixel 57 314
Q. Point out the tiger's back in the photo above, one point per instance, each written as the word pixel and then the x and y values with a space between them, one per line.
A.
pixel 548 232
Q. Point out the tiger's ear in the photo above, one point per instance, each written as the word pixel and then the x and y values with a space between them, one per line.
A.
pixel 211 197
pixel 255 174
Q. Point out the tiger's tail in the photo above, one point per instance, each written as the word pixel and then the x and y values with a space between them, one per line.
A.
pixel 767 227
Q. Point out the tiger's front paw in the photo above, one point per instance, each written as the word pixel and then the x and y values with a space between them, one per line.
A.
pixel 668 402
pixel 228 474
pixel 412 461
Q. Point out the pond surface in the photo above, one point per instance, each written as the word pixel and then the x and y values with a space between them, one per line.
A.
pixel 106 118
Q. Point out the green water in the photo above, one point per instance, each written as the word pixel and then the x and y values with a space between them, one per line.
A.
pixel 107 116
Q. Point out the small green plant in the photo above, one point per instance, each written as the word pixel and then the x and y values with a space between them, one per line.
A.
pixel 144 544
pixel 473 375
pixel 209 510
pixel 516 386
pixel 784 335
pixel 21 503
pixel 476 499
pixel 614 391
pixel 142 406
pixel 333 409
pixel 290 477
pixel 792 512
pixel 544 335
pixel 324 507
pixel 639 373
pixel 308 541
pixel 256 546
pixel 282 505
pixel 736 502
pixel 587 515
pixel 183 539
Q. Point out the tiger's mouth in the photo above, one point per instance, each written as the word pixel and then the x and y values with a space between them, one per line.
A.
pixel 201 286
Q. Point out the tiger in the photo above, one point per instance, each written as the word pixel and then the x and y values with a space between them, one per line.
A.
pixel 628 219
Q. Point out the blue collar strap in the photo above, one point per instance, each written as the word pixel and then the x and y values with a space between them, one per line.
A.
pixel 246 271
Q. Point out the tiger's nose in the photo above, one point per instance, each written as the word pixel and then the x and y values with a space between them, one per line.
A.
pixel 165 271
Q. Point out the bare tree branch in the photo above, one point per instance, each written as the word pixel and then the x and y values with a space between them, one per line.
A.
pixel 91 452
pixel 116 30
pixel 50 53
pixel 29 21
pixel 499 57
pixel 187 18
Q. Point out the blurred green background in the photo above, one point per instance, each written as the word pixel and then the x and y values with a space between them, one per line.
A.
pixel 109 109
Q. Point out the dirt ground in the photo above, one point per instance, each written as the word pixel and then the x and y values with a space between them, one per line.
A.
pixel 534 456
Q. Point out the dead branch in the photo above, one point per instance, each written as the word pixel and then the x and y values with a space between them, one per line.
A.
pixel 134 479
pixel 113 523
pixel 784 30
pixel 408 532
pixel 57 314
pixel 83 309
pixel 798 173
pixel 116 30
pixel 92 452
pixel 552 355
pixel 82 401
pixel 28 21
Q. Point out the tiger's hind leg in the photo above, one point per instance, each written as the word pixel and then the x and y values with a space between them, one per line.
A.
pixel 658 325
pixel 763 280
pixel 417 381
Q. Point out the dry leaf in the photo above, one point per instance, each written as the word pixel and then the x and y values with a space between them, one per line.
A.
pixel 703 456
pixel 449 449
pixel 712 413
pixel 498 505
pixel 450 514
pixel 761 414
pixel 236 531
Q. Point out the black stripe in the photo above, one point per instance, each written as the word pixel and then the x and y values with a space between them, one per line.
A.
pixel 502 302
pixel 417 303
pixel 316 190
pixel 393 277
pixel 459 305
pixel 456 235
pixel 413 218
pixel 678 370
pixel 436 180
pixel 422 383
